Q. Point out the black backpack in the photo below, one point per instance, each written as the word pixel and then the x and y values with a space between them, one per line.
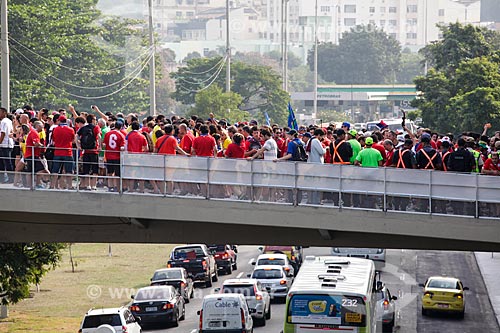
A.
pixel 87 137
pixel 299 154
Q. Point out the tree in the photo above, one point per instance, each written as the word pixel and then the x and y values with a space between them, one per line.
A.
pixel 461 94
pixel 57 46
pixel 24 264
pixel 214 100
pixel 191 56
pixel 459 42
pixel 411 67
pixel 365 55
pixel 259 86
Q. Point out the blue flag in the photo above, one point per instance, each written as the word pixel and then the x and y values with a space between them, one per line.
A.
pixel 268 120
pixel 292 122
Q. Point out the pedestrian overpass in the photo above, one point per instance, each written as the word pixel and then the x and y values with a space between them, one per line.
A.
pixel 260 202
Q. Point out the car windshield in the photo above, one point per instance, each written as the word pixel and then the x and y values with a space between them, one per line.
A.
pixel 153 294
pixel 272 261
pixel 98 320
pixel 244 289
pixel 167 275
pixel 188 253
pixel 267 274
pixel 444 284
pixel 217 248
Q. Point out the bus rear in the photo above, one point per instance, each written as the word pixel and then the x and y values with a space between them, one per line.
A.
pixel 307 313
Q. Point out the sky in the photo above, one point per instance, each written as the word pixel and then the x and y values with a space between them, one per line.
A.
pixel 125 8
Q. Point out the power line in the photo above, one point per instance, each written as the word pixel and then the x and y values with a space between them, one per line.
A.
pixel 85 97
pixel 209 70
pixel 204 88
pixel 129 75
pixel 206 80
pixel 82 70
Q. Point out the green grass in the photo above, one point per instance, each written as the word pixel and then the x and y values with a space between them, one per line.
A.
pixel 63 298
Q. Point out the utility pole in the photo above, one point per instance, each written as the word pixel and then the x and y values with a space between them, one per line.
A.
pixel 285 49
pixel 228 50
pixel 152 65
pixel 315 110
pixel 5 76
pixel 282 46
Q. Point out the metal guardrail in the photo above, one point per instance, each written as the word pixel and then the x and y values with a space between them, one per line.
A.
pixel 307 184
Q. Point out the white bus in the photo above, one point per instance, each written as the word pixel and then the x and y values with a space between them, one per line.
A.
pixel 332 294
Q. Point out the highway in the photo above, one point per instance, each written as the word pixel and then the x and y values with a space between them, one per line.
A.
pixel 403 271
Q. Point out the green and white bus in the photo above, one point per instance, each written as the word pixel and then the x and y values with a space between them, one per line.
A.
pixel 332 294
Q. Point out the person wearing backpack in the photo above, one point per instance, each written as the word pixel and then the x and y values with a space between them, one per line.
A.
pixel 88 141
pixel 296 151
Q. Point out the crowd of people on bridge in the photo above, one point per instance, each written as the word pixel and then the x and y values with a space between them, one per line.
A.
pixel 49 144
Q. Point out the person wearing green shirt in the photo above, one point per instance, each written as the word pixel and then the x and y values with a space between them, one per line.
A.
pixel 369 157
pixel 355 145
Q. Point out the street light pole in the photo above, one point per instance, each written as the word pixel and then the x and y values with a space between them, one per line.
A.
pixel 152 65
pixel 228 51
pixel 285 49
pixel 5 76
pixel 315 110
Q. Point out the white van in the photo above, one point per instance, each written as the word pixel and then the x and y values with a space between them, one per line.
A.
pixel 225 313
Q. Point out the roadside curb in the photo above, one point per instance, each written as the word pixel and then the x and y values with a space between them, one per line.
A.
pixel 489 266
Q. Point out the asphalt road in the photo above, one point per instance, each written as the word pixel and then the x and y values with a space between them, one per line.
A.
pixel 403 271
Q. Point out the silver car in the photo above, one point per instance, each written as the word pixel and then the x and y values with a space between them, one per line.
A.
pixel 386 308
pixel 257 297
pixel 273 278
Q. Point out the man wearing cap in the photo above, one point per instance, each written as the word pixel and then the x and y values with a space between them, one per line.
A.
pixel 63 137
pixel 427 157
pixel 355 145
pixel 306 139
pixel 346 126
pixel 293 146
pixel 340 150
pixel 369 157
pixel 470 144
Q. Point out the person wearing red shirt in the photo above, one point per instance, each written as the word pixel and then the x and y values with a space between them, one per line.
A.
pixel 114 144
pixel 33 153
pixel 235 150
pixel 136 144
pixel 492 165
pixel 389 149
pixel 379 147
pixel 167 144
pixel 63 137
pixel 187 137
pixel 204 145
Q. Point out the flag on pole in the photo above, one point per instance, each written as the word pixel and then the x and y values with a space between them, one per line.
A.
pixel 292 122
pixel 268 120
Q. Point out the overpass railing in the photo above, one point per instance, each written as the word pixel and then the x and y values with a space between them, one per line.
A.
pixel 307 184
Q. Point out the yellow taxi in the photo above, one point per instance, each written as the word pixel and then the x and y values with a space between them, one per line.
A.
pixel 443 294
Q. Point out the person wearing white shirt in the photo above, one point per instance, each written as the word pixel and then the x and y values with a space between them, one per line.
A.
pixel 270 152
pixel 317 153
pixel 6 145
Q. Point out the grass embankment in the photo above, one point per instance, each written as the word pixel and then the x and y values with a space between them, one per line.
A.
pixel 98 281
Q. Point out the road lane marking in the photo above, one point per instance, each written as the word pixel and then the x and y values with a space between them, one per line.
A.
pixel 239 275
pixel 250 261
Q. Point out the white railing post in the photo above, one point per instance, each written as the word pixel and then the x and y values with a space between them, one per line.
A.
pixel 341 181
pixel 252 192
pixel 32 168
pixel 165 176
pixel 78 171
pixel 121 171
pixel 208 178
pixel 477 196
pixel 385 189
pixel 430 192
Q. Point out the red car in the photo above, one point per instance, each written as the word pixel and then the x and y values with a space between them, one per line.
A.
pixel 225 257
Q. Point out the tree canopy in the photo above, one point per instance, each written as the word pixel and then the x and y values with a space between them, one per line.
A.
pixel 24 264
pixel 460 93
pixel 259 86
pixel 58 47
pixel 365 55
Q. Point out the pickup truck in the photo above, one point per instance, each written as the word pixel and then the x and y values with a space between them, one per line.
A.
pixel 198 261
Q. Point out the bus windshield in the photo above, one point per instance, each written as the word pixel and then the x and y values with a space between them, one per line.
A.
pixel 341 310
